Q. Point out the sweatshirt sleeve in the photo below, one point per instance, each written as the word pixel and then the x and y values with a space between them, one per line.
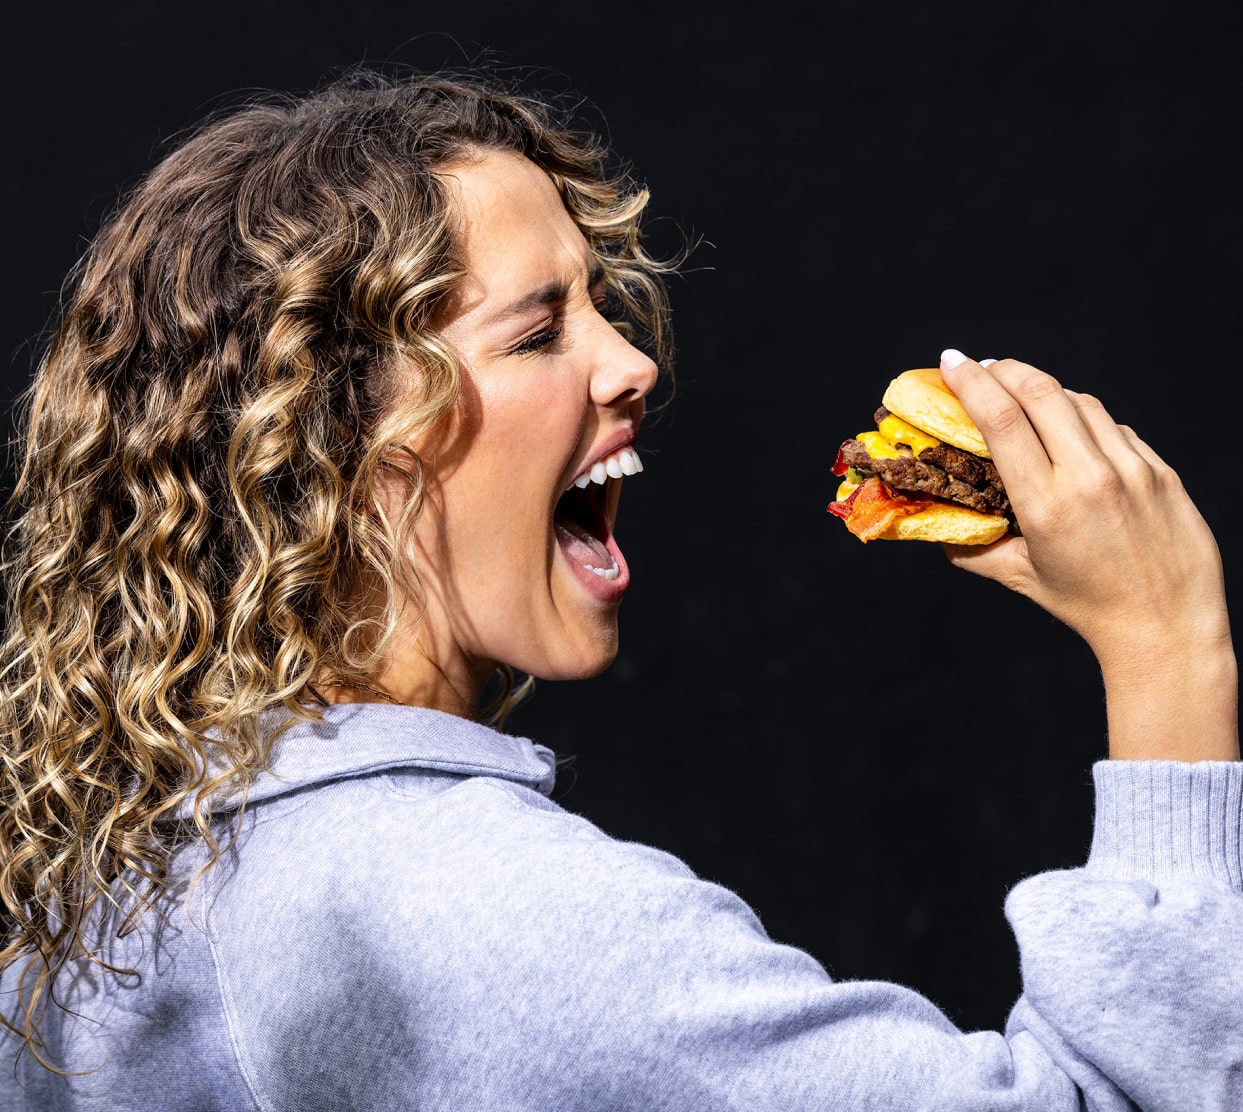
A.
pixel 1133 965
pixel 511 955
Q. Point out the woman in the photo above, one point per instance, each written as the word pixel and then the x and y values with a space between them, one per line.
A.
pixel 333 429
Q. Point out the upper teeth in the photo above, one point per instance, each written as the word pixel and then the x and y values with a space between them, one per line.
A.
pixel 625 461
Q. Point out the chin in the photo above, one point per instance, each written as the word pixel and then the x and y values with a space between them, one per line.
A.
pixel 584 660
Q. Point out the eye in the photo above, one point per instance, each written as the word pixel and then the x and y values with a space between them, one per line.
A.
pixel 609 306
pixel 539 341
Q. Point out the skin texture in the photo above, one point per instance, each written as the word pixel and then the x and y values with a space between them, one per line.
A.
pixel 547 391
pixel 1113 546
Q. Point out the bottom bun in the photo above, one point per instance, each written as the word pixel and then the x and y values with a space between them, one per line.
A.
pixel 948 524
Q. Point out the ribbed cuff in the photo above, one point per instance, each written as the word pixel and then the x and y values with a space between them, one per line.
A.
pixel 1157 820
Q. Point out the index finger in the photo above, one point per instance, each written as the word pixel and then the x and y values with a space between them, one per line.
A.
pixel 1030 425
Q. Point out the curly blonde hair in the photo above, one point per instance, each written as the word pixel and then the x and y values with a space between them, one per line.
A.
pixel 204 448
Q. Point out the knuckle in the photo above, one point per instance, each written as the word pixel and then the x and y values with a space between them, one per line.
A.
pixel 1042 519
pixel 1164 477
pixel 1000 416
pixel 1036 385
pixel 1099 476
pixel 1142 477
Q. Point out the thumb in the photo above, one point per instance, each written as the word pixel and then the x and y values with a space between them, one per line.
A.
pixel 1006 561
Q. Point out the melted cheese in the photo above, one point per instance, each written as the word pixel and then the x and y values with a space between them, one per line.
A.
pixel 892 438
pixel 901 432
pixel 878 445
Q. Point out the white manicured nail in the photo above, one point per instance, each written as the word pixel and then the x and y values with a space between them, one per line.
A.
pixel 951 358
pixel 987 362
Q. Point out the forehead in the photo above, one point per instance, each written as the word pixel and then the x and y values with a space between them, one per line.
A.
pixel 513 231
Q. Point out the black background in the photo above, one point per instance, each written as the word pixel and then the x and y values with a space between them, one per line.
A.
pixel 871 182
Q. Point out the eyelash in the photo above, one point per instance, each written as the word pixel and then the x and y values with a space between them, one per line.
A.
pixel 547 338
pixel 539 341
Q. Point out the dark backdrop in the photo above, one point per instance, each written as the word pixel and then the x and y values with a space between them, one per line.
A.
pixel 872 182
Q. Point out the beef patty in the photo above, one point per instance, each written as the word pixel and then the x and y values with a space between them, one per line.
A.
pixel 944 471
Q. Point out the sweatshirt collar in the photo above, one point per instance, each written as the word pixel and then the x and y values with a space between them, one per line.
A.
pixel 359 739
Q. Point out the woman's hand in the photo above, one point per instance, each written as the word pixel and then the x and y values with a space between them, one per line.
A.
pixel 1114 547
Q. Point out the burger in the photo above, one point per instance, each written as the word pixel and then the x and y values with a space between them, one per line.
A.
pixel 924 473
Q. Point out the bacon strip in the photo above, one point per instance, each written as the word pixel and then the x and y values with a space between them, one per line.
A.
pixel 873 507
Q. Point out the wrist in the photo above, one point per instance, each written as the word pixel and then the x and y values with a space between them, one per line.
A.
pixel 1173 702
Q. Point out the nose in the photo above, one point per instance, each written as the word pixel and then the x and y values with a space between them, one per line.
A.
pixel 623 374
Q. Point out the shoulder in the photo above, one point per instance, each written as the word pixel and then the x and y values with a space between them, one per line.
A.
pixel 385 796
pixel 426 846
pixel 394 927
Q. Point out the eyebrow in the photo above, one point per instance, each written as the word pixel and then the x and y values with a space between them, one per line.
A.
pixel 553 293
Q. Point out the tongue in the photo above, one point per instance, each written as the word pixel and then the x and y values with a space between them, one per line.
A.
pixel 580 545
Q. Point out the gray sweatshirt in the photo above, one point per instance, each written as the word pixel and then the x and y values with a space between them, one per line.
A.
pixel 408 922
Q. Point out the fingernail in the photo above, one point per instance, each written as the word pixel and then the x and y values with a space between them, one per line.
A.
pixel 951 357
pixel 987 362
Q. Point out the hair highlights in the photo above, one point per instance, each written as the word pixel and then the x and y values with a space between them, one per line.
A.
pixel 241 350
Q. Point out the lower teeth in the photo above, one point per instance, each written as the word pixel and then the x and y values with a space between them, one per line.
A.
pixel 604 573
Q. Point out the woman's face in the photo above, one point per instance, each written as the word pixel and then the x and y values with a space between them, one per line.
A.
pixel 517 570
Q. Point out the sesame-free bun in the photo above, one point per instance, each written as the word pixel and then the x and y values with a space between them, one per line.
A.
pixel 921 398
pixel 949 524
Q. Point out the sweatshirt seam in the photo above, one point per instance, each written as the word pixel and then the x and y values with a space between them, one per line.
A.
pixel 232 1020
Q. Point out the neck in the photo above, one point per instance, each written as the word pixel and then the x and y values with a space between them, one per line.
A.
pixel 422 668
pixel 423 664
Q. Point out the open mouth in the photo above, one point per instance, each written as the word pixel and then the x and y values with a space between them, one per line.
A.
pixel 581 518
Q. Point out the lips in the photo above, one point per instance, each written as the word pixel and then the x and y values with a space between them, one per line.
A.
pixel 583 526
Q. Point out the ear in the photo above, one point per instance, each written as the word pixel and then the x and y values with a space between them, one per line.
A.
pixel 401 480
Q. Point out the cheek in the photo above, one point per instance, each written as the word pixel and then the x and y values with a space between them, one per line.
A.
pixel 497 506
pixel 527 437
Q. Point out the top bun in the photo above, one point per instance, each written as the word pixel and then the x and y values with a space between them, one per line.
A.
pixel 922 398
